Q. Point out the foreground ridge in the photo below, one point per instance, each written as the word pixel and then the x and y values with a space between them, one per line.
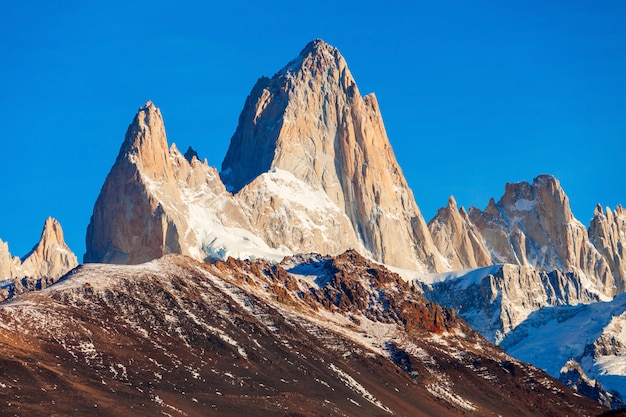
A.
pixel 308 335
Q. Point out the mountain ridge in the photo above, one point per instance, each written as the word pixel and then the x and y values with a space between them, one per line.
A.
pixel 335 146
pixel 310 169
pixel 254 338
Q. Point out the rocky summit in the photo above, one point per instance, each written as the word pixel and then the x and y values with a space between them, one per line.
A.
pixel 311 120
pixel 48 261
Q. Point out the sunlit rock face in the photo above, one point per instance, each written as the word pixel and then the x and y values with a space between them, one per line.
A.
pixel 607 232
pixel 309 168
pixel 310 119
pixel 50 258
pixel 458 240
pixel 533 224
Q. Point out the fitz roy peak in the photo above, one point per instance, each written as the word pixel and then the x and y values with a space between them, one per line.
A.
pixel 310 167
pixel 311 121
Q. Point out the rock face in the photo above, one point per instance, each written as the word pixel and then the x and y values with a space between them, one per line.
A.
pixel 50 257
pixel 496 299
pixel 573 376
pixel 310 120
pixel 547 256
pixel 532 225
pixel 9 265
pixel 129 224
pixel 457 238
pixel 48 261
pixel 310 166
pixel 607 232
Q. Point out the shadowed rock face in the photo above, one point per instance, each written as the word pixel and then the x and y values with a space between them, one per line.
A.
pixel 312 335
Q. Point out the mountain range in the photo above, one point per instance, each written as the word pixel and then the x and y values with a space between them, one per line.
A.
pixel 290 234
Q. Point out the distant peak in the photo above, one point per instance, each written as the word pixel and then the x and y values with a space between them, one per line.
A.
pixel 51 235
pixel 149 105
pixel 52 229
pixel 452 202
pixel 598 211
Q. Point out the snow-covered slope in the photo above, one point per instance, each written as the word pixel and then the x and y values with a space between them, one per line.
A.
pixel 496 299
pixel 593 335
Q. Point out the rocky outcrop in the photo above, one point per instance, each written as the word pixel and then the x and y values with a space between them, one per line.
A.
pixel 456 237
pixel 532 225
pixel 607 232
pixel 9 265
pixel 48 261
pixel 574 377
pixel 548 258
pixel 129 224
pixel 157 201
pixel 50 257
pixel 311 120
pixel 494 300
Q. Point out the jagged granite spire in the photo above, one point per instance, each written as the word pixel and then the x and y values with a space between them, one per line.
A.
pixel 310 120
pixel 455 237
pixel 128 224
pixel 607 232
pixel 50 258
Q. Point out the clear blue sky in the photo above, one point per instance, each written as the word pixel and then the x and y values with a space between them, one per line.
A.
pixel 473 94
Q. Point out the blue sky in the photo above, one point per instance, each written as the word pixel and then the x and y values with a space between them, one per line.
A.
pixel 473 94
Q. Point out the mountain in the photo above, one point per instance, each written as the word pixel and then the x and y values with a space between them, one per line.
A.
pixel 309 168
pixel 546 257
pixel 49 259
pixel 458 239
pixel 310 119
pixel 551 262
pixel 338 336
pixel 531 225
